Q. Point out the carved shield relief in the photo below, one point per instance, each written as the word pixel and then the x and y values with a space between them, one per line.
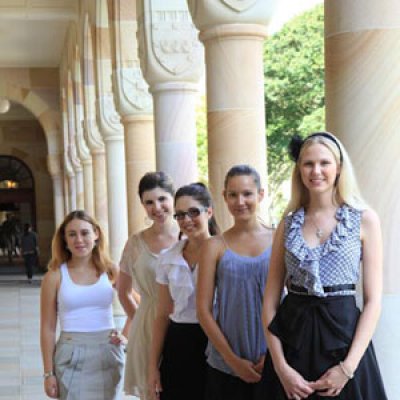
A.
pixel 174 40
pixel 240 5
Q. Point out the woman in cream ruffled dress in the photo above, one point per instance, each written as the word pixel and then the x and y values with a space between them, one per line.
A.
pixel 138 265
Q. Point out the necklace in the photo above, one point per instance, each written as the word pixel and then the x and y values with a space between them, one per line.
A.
pixel 319 233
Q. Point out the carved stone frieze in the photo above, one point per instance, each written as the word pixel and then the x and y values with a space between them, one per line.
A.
pixel 134 96
pixel 210 14
pixel 107 116
pixel 174 41
pixel 169 47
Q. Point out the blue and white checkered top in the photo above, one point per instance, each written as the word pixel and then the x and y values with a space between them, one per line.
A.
pixel 334 262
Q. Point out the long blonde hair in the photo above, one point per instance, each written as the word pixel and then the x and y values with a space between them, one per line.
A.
pixel 61 254
pixel 346 188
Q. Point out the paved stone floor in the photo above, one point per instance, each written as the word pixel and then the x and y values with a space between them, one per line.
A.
pixel 20 359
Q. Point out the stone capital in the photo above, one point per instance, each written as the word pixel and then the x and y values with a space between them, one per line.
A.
pixel 208 14
pixel 109 120
pixel 69 170
pixel 93 136
pixel 130 88
pixel 132 94
pixel 83 150
pixel 168 42
pixel 107 116
pixel 73 156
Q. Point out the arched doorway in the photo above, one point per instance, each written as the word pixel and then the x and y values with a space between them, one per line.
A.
pixel 17 205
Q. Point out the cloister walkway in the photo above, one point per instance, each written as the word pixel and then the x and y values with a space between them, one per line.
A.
pixel 20 359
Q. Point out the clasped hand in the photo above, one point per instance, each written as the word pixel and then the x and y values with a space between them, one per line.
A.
pixel 330 384
pixel 248 371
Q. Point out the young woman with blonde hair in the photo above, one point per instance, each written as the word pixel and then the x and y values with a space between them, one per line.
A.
pixel 87 360
pixel 319 343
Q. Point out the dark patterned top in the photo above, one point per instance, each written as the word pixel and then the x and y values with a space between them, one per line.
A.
pixel 334 262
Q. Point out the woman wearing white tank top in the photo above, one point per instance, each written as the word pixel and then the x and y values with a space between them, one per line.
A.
pixel 87 360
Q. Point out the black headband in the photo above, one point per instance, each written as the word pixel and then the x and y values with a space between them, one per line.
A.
pixel 297 142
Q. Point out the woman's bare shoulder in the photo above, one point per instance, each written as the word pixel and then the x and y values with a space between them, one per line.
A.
pixel 51 279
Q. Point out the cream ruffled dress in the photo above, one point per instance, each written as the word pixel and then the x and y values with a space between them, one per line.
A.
pixel 140 263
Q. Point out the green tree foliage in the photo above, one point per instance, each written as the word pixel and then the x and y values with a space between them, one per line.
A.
pixel 294 92
pixel 202 144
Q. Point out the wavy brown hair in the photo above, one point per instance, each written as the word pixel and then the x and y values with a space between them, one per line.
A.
pixel 61 254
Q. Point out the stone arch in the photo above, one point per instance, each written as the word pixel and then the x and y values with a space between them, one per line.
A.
pixel 15 169
pixel 37 90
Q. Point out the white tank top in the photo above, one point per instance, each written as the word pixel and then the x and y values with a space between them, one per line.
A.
pixel 84 308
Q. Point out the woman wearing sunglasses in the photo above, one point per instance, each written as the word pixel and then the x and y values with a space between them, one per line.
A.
pixel 178 340
pixel 232 274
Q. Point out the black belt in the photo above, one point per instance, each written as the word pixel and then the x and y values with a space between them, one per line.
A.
pixel 327 289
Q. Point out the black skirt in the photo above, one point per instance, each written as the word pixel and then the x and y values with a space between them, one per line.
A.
pixel 183 365
pixel 316 334
pixel 222 386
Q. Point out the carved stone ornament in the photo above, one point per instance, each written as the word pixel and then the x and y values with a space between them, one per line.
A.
pixel 240 5
pixel 110 121
pixel 135 89
pixel 174 41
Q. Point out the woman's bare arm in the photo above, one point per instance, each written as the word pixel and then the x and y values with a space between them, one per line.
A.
pixel 48 324
pixel 165 307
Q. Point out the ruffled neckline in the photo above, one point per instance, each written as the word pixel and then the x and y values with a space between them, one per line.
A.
pixel 309 256
pixel 182 280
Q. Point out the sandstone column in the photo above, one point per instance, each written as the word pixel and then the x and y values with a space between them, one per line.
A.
pixel 233 34
pixel 69 173
pixel 54 167
pixel 362 107
pixel 113 136
pixel 133 102
pixel 72 147
pixel 66 190
pixel 172 63
pixel 92 133
pixel 83 150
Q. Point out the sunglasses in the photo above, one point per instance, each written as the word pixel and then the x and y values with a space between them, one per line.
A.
pixel 192 212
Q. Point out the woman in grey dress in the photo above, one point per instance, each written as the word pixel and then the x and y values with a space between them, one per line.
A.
pixel 87 361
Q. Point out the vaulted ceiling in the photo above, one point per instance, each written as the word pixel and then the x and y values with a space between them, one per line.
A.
pixel 32 34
